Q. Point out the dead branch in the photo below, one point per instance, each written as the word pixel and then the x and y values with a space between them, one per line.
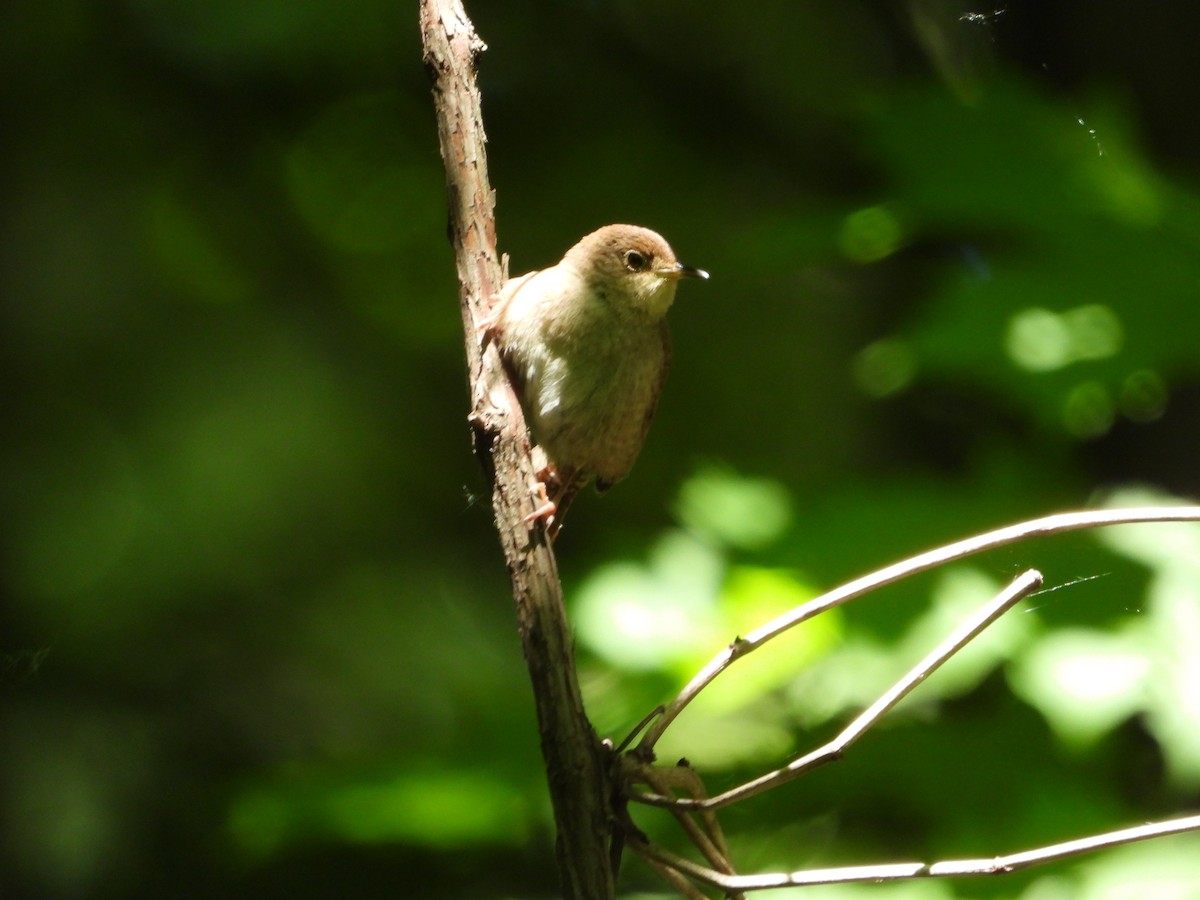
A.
pixel 720 874
pixel 576 763
pixel 998 865
pixel 1022 586
pixel 1055 524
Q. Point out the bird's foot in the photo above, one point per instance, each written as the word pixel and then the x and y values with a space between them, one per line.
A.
pixel 546 510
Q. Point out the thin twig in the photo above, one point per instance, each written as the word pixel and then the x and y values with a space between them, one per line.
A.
pixel 709 839
pixel 1026 858
pixel 1022 586
pixel 1055 524
pixel 669 872
pixel 730 883
pixel 998 865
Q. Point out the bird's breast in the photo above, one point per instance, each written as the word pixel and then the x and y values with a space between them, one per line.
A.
pixel 590 402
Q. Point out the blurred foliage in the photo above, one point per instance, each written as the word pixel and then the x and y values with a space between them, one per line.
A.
pixel 255 637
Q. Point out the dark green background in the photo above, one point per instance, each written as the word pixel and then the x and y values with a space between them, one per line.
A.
pixel 255 638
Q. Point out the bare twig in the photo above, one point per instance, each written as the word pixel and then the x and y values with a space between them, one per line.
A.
pixel 577 766
pixel 706 836
pixel 1056 524
pixel 998 865
pixel 671 874
pixel 1027 858
pixel 1022 586
pixel 807 877
pixel 718 874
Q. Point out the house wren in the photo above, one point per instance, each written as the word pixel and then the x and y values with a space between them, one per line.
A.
pixel 586 342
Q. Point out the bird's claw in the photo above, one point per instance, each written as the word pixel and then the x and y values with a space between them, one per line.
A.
pixel 546 510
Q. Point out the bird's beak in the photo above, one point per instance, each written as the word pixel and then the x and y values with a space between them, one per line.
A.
pixel 679 270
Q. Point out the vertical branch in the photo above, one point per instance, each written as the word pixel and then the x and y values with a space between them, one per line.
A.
pixel 576 763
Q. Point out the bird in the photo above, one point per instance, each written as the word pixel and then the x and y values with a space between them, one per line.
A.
pixel 586 345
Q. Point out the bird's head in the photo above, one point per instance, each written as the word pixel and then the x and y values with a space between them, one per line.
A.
pixel 632 267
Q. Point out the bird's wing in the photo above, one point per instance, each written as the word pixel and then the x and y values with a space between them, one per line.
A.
pixel 504 300
pixel 665 337
pixel 648 416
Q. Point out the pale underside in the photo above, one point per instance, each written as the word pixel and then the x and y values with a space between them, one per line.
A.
pixel 589 373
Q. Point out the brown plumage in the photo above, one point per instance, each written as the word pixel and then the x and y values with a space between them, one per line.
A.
pixel 587 343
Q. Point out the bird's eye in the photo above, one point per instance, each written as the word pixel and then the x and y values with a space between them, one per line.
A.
pixel 636 262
